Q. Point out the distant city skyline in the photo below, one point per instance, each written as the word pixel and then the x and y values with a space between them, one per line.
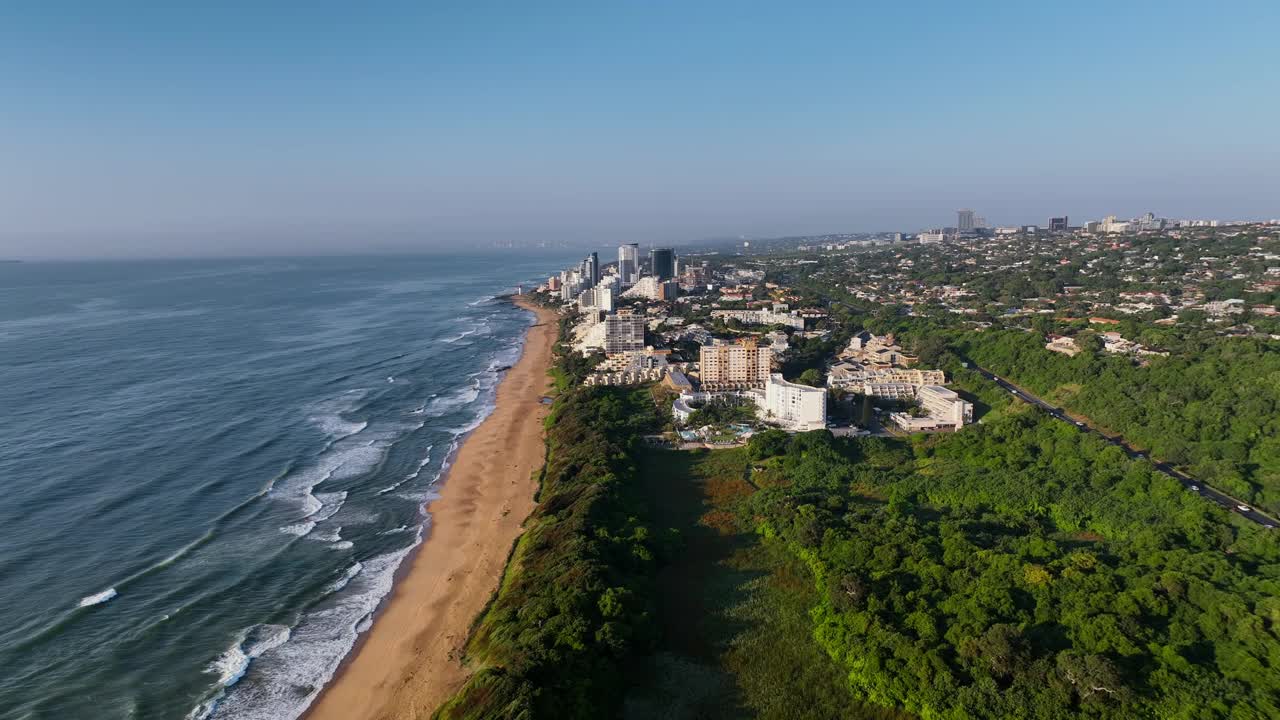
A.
pixel 167 131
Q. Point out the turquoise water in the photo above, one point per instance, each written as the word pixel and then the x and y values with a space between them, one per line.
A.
pixel 212 469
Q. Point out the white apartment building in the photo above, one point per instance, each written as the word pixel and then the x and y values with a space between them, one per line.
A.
pixel 629 263
pixel 600 297
pixel 736 365
pixel 855 375
pixel 890 390
pixel 945 406
pixel 652 288
pixel 760 317
pixel 793 406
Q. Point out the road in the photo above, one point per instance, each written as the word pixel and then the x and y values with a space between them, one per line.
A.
pixel 1232 504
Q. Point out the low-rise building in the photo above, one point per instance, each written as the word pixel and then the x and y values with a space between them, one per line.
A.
pixel 1223 308
pixel 794 406
pixel 760 317
pixel 876 351
pixel 853 375
pixel 651 288
pixel 945 405
pixel 627 377
pixel 1062 344
pixel 890 390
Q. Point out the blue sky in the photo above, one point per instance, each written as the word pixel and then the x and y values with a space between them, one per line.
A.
pixel 149 128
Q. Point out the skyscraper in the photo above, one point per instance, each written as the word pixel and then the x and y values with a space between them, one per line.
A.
pixel 591 270
pixel 629 263
pixel 1058 224
pixel 964 220
pixel 663 261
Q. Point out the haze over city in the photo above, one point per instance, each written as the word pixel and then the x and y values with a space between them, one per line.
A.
pixel 334 128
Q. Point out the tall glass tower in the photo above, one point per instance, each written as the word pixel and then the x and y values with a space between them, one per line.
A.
pixel 629 263
pixel 663 261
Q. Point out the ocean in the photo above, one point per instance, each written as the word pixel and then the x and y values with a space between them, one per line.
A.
pixel 212 469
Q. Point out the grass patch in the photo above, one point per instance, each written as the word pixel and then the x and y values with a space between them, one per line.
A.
pixel 736 640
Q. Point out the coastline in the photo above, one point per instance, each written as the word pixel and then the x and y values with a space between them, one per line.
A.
pixel 408 663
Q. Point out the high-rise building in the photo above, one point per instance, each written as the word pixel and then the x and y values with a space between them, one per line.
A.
pixel 736 365
pixel 663 262
pixel 1058 224
pixel 629 263
pixel 591 270
pixel 623 332
pixel 964 220
pixel 600 297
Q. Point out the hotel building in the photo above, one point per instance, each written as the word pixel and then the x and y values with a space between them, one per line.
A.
pixel 733 366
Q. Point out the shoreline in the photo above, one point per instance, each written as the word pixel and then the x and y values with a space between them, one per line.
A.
pixel 409 662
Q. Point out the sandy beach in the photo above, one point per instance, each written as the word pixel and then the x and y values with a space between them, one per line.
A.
pixel 408 663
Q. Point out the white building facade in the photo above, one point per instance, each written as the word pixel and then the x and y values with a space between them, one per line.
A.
pixel 629 263
pixel 793 406
pixel 945 405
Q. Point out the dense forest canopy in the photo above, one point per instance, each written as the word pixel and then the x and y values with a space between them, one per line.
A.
pixel 1021 569
pixel 1217 412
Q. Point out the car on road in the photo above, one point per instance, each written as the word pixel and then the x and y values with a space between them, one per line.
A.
pixel 1196 488
pixel 1244 508
pixel 1079 424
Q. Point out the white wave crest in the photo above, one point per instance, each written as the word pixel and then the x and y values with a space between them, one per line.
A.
pixel 97 598
pixel 459 336
pixel 232 664
pixel 301 529
pixel 347 577
pixel 345 459
pixel 330 535
pixel 327 415
pixel 330 504
pixel 426 459
pixel 287 678
pixel 461 397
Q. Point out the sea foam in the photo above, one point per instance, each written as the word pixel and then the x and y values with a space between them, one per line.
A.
pixel 98 598
pixel 288 677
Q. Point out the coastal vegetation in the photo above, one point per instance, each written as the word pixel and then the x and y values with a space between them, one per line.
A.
pixel 735 637
pixel 1023 569
pixel 575 605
